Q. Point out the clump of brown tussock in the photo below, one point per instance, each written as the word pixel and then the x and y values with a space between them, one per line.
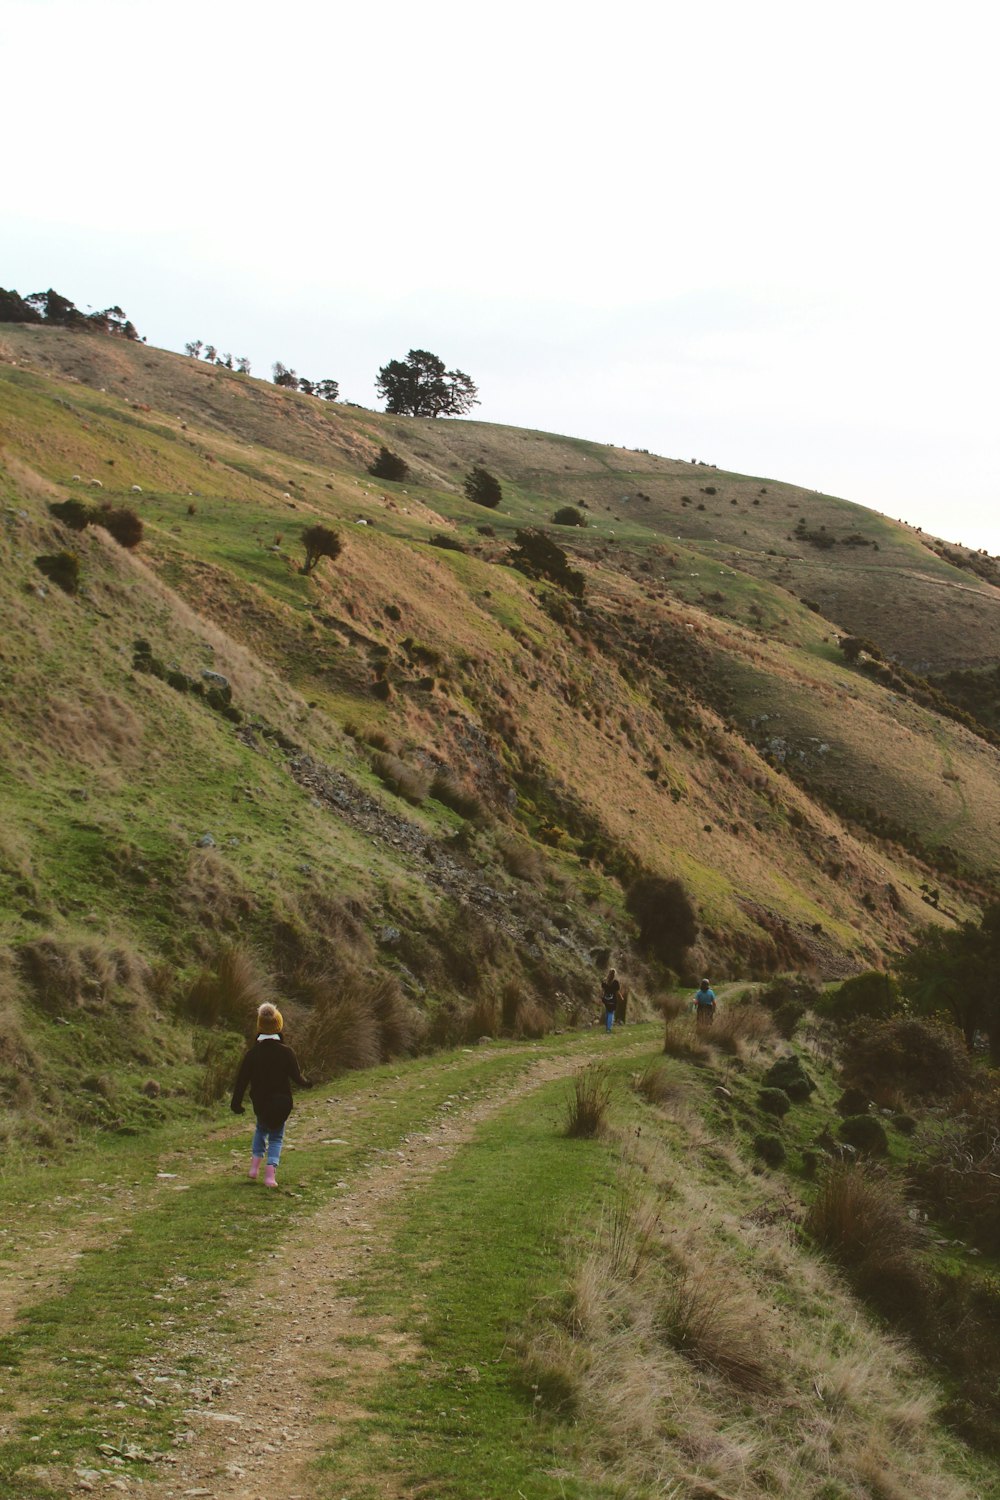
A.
pixel 64 974
pixel 860 1218
pixel 587 1108
pixel 700 1316
pixel 659 1084
pixel 355 1020
pixel 683 1039
pixel 739 1027
pixel 228 991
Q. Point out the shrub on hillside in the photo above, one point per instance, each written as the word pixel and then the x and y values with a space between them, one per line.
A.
pixel 121 523
pixel 774 1102
pixel 448 542
pixel 919 1059
pixel 537 556
pixel 319 541
pixel 72 513
pixel 666 918
pixel 568 515
pixel 389 465
pixel 788 1073
pixel 770 1148
pixel 874 995
pixel 482 487
pixel 958 1176
pixel 865 1133
pixel 62 569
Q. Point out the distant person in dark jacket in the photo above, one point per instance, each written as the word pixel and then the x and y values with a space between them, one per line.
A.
pixel 704 1004
pixel 611 995
pixel 268 1069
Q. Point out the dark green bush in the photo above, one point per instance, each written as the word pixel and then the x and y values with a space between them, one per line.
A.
pixel 483 487
pixel 389 465
pixel 866 1134
pixel 774 1102
pixel 666 918
pixel 770 1149
pixel 72 513
pixel 789 1074
pixel 568 515
pixel 62 569
pixel 445 539
pixel 873 994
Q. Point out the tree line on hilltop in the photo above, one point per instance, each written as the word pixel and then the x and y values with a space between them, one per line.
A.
pixel 53 308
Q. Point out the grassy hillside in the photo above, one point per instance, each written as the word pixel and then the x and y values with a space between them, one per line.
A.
pixel 434 768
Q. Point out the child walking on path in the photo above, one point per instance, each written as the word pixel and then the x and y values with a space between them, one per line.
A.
pixel 269 1069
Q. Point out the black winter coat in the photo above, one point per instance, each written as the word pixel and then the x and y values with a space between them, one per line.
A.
pixel 269 1069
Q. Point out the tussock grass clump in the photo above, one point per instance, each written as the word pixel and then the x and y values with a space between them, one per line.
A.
pixel 355 1020
pixel 959 1175
pixel 228 992
pixel 520 859
pixel 66 975
pixel 656 1083
pixel 741 1026
pixel 860 1218
pixel 700 1317
pixel 588 1106
pixel 408 781
pixel 681 1037
pixel 221 1060
pixel 450 792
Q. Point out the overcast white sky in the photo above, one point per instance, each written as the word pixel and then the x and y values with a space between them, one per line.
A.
pixel 762 235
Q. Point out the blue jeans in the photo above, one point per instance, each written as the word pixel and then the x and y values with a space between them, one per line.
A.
pixel 268 1142
pixel 609 1019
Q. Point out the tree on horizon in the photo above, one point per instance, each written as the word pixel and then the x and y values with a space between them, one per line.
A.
pixel 420 386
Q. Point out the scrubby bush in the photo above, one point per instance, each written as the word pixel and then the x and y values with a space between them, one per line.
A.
pixel 587 1110
pixel 121 523
pixel 770 1149
pixel 537 556
pixel 389 465
pixel 482 487
pixel 319 541
pixel 666 918
pixel 873 994
pixel 72 513
pixel 774 1102
pixel 448 542
pixel 62 569
pixel 919 1059
pixel 568 515
pixel 865 1133
pixel 788 1073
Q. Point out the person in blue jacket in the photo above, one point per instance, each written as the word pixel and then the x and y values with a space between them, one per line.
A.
pixel 704 1004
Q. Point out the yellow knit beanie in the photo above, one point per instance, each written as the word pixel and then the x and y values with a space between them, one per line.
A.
pixel 269 1017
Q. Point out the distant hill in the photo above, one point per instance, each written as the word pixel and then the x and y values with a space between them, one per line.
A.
pixel 425 763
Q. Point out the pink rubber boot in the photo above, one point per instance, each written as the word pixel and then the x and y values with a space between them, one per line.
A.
pixel 255 1162
pixel 269 1172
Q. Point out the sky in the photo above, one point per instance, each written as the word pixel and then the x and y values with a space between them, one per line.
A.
pixel 764 236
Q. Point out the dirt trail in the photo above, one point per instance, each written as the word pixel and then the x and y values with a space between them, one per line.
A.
pixel 234 1449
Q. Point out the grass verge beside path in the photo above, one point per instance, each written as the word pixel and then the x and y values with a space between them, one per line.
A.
pixel 177 1251
pixel 471 1254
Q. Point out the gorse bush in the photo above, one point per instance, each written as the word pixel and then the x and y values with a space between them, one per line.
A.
pixel 482 487
pixel 569 516
pixel 666 918
pixel 864 995
pixel 62 569
pixel 865 1133
pixel 121 523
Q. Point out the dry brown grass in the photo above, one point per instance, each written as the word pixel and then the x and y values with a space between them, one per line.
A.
pixel 68 974
pixel 587 1108
pixel 228 991
pixel 739 1027
pixel 409 781
pixel 520 858
pixel 701 1317
pixel 355 1020
pixel 532 1020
